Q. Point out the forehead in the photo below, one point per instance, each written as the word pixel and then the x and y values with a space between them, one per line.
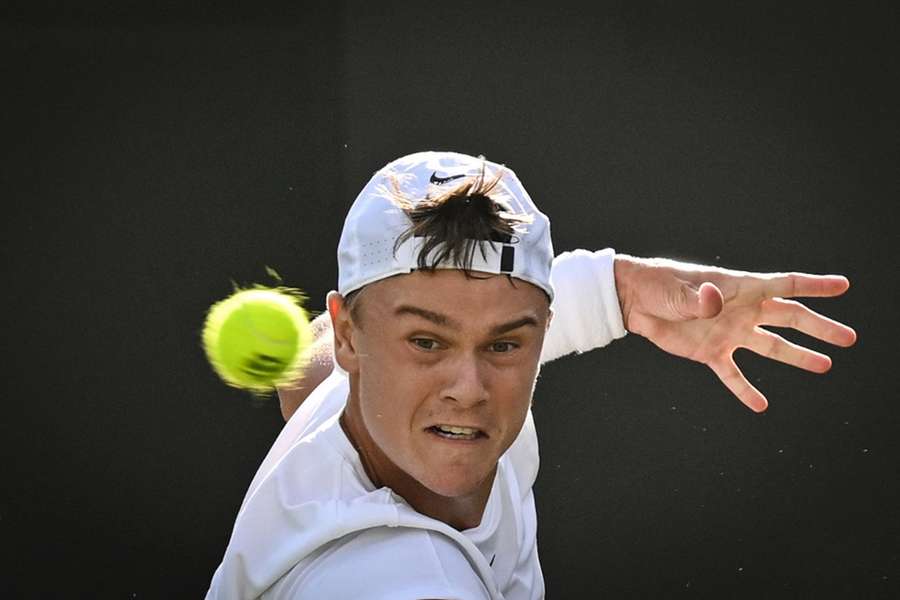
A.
pixel 479 298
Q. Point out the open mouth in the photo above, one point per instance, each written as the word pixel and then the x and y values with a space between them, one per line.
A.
pixel 453 432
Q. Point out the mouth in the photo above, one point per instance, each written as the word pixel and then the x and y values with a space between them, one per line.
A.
pixel 456 432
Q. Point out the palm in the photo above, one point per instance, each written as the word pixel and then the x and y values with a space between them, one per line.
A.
pixel 706 313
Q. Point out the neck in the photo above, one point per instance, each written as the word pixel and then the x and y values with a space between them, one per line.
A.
pixel 461 512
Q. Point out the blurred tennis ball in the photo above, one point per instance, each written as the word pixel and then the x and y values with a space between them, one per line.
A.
pixel 258 338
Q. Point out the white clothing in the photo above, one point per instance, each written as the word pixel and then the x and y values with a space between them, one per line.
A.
pixel 312 524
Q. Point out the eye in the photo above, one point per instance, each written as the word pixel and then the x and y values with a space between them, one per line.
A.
pixel 502 347
pixel 425 343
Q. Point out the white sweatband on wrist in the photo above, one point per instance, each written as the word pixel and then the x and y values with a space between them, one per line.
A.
pixel 586 310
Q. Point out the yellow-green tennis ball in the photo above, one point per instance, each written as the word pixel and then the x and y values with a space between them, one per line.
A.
pixel 257 338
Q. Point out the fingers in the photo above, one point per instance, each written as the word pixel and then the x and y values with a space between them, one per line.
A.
pixel 796 285
pixel 771 345
pixel 729 373
pixel 789 313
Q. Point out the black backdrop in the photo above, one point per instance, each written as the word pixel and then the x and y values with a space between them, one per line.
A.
pixel 153 157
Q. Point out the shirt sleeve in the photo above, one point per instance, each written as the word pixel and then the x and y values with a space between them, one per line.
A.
pixel 586 311
pixel 384 563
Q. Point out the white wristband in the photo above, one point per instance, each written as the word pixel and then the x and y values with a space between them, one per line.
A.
pixel 586 311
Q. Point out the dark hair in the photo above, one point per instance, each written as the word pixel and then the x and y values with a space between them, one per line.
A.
pixel 458 220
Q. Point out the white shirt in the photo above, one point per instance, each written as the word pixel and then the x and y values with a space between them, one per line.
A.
pixel 312 525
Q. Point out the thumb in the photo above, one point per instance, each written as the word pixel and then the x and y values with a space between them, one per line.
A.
pixel 690 302
pixel 710 300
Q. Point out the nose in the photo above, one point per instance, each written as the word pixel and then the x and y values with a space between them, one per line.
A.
pixel 467 383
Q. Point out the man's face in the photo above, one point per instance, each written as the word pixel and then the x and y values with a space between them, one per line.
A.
pixel 443 369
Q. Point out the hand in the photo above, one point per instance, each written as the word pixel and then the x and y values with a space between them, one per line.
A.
pixel 706 313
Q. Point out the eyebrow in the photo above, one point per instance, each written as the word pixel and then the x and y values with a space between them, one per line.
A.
pixel 445 321
pixel 436 318
pixel 505 327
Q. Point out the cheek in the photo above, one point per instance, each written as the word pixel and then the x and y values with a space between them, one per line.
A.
pixel 517 391
pixel 389 395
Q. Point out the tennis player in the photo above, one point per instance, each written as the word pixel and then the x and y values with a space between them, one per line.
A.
pixel 406 465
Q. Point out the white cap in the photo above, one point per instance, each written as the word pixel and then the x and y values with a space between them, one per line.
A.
pixel 366 251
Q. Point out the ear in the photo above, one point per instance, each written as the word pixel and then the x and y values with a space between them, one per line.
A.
pixel 342 325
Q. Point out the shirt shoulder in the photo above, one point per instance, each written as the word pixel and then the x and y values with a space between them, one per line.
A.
pixel 322 404
pixel 394 563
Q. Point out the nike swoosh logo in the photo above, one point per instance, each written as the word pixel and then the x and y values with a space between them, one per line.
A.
pixel 440 180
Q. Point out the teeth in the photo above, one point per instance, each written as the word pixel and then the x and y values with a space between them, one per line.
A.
pixel 457 430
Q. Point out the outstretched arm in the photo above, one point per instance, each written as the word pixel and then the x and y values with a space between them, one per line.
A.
pixel 705 313
pixel 702 313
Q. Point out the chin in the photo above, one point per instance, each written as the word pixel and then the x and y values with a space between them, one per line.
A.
pixel 453 487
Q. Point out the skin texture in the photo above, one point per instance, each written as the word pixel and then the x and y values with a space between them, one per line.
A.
pixel 320 366
pixel 438 348
pixel 698 312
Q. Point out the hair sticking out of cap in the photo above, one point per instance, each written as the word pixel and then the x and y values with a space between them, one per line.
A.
pixel 457 221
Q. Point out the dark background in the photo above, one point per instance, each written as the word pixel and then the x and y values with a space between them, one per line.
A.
pixel 154 156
